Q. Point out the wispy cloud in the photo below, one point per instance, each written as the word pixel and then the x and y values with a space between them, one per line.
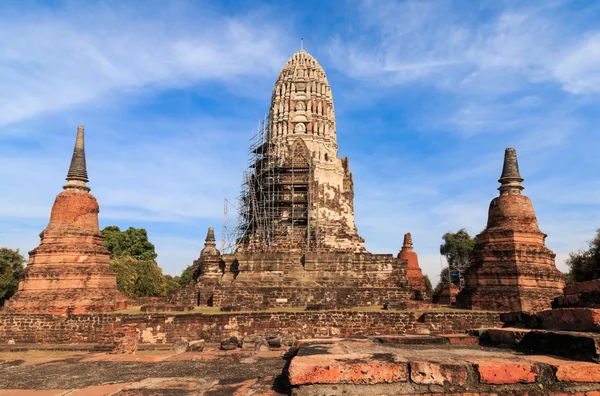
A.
pixel 56 58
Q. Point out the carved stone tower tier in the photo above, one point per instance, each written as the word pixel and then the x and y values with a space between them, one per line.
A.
pixel 69 272
pixel 300 194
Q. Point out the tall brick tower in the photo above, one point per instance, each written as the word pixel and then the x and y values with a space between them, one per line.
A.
pixel 511 268
pixel 69 272
pixel 300 194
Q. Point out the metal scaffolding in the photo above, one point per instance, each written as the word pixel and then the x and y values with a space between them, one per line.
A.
pixel 274 201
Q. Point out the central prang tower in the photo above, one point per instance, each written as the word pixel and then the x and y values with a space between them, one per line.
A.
pixel 298 194
pixel 295 243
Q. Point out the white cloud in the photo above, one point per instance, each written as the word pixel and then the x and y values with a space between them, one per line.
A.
pixel 452 48
pixel 55 59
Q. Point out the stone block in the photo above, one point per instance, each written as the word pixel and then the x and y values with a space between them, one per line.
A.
pixel 573 345
pixel 347 369
pixel 500 371
pixel 230 344
pixel 428 373
pixel 180 347
pixel 196 346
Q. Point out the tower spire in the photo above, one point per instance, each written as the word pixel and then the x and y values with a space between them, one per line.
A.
pixel 408 243
pixel 511 178
pixel 77 175
pixel 210 244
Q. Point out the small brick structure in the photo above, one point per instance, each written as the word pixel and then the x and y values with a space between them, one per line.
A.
pixel 511 268
pixel 69 272
pixel 414 275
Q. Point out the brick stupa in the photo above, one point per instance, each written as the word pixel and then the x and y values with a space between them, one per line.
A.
pixel 511 268
pixel 414 275
pixel 69 272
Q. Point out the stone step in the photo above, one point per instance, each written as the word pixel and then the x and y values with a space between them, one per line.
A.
pixel 358 367
pixel 567 319
pixel 419 339
pixel 570 344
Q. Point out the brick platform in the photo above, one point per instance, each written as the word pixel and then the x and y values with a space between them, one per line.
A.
pixel 362 367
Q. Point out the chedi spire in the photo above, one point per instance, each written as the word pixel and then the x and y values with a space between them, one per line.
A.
pixel 408 243
pixel 511 178
pixel 77 176
pixel 210 243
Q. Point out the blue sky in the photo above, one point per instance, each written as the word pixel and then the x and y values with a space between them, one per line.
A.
pixel 428 94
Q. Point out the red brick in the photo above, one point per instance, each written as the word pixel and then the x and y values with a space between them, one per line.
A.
pixel 437 373
pixel 570 371
pixel 346 369
pixel 499 371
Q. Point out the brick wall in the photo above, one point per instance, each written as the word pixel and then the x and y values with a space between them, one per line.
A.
pixel 164 328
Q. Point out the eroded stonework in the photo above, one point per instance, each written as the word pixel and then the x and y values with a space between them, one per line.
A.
pixel 511 268
pixel 69 272
pixel 300 246
pixel 301 193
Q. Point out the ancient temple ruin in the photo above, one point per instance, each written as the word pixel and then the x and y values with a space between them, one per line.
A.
pixel 511 268
pixel 69 272
pixel 298 195
pixel 296 242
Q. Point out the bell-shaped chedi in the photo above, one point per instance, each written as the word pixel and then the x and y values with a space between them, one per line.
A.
pixel 69 272
pixel 511 268
pixel 414 275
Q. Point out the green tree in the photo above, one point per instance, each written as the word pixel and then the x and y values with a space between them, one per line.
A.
pixel 171 283
pixel 11 269
pixel 457 248
pixel 444 279
pixel 585 264
pixel 186 276
pixel 139 278
pixel 132 242
pixel 428 285
pixel 127 275
pixel 150 281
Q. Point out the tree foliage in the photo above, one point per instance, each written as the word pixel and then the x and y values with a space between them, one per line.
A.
pixel 186 276
pixel 11 269
pixel 428 285
pixel 585 264
pixel 457 248
pixel 444 279
pixel 139 278
pixel 132 242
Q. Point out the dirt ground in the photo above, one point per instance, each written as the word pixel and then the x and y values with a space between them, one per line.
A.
pixel 211 373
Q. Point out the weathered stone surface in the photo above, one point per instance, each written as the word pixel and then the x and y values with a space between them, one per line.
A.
pixel 196 345
pixel 230 343
pixel 424 372
pixel 498 371
pixel 447 294
pixel 69 272
pixel 348 368
pixel 300 245
pixel 583 294
pixel 180 346
pixel 511 268
pixel 573 345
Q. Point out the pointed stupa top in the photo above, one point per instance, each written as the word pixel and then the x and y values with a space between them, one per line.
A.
pixel 210 244
pixel 408 243
pixel 511 178
pixel 302 103
pixel 77 176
